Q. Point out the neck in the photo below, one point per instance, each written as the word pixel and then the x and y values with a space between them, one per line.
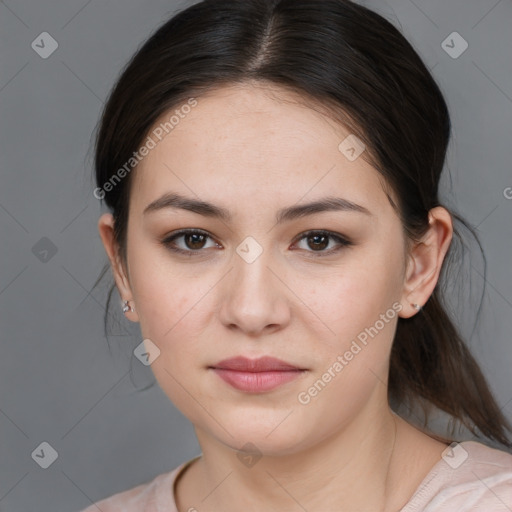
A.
pixel 353 469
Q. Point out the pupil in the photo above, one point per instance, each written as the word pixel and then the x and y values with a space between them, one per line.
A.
pixel 192 236
pixel 315 237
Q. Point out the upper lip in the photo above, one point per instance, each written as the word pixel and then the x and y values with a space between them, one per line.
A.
pixel 262 364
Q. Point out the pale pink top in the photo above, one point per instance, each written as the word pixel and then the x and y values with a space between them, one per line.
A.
pixel 469 477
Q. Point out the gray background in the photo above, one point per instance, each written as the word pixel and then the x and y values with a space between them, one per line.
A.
pixel 60 382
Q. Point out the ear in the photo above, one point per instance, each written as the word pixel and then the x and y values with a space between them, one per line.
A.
pixel 424 261
pixel 106 229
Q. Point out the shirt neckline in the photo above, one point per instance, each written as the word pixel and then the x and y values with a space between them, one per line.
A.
pixel 438 470
pixel 423 486
pixel 180 470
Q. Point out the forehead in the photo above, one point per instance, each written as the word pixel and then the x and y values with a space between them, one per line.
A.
pixel 248 142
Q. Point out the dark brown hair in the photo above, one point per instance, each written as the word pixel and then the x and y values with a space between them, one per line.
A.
pixel 355 66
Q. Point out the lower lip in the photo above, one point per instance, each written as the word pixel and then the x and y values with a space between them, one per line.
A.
pixel 255 382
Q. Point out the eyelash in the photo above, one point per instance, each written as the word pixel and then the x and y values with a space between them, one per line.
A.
pixel 343 242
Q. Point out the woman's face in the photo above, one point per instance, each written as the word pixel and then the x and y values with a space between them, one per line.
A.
pixel 258 284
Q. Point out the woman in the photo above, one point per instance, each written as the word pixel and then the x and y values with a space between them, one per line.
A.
pixel 272 169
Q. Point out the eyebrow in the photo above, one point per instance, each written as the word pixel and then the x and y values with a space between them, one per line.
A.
pixel 173 200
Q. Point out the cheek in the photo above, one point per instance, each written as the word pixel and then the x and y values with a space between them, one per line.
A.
pixel 351 300
pixel 362 309
pixel 352 363
pixel 171 313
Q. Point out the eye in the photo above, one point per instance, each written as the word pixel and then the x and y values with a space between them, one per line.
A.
pixel 193 239
pixel 319 240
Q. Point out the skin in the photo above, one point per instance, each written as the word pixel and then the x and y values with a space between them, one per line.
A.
pixel 253 150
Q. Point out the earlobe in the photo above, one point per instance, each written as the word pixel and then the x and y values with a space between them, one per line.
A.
pixel 106 231
pixel 425 262
pixel 413 296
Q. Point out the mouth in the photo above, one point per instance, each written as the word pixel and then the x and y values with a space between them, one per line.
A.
pixel 256 375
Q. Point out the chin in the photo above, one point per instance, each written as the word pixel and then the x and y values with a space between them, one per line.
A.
pixel 267 434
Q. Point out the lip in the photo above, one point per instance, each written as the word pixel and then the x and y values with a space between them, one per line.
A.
pixel 262 364
pixel 256 375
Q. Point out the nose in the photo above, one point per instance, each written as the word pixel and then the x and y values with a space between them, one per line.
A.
pixel 255 297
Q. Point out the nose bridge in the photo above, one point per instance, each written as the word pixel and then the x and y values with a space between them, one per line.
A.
pixel 252 266
pixel 253 298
